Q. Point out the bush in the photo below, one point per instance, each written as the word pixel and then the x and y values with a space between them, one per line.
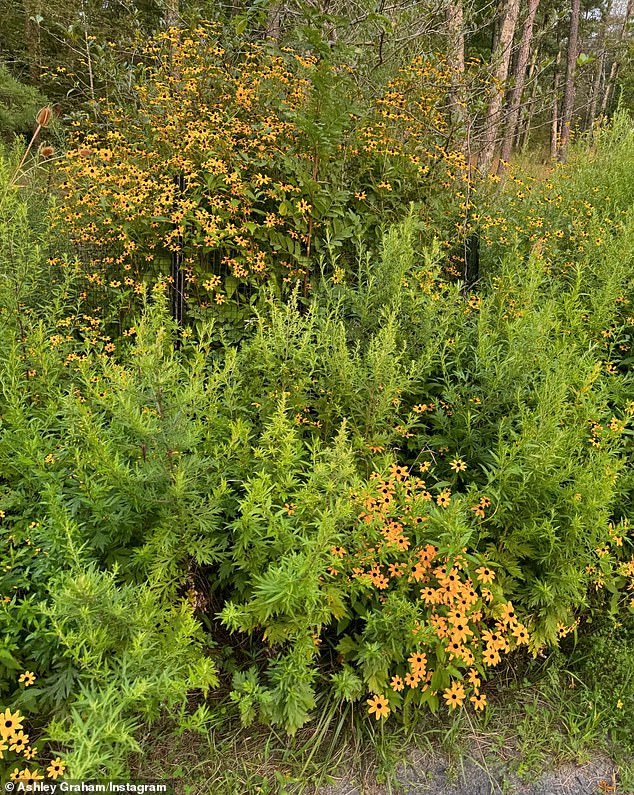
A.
pixel 19 105
pixel 253 163
pixel 379 493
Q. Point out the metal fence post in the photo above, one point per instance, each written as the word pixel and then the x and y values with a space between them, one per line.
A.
pixel 178 277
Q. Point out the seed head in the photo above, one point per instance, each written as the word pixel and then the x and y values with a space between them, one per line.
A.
pixel 44 116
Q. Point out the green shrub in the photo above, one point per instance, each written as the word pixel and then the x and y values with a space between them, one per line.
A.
pixel 19 105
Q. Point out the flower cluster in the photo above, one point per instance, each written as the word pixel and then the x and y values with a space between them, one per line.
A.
pixel 14 741
pixel 462 623
pixel 224 161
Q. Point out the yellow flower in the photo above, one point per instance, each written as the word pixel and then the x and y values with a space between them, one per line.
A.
pixel 56 768
pixel 444 498
pixel 18 742
pixel 28 677
pixel 458 465
pixel 619 704
pixel 379 706
pixel 29 776
pixel 485 575
pixel 10 722
pixel 3 747
pixel 479 702
pixel 454 695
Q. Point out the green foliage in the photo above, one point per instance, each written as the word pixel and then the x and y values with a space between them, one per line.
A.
pixel 158 498
pixel 604 661
pixel 19 105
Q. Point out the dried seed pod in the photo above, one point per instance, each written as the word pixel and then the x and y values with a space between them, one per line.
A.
pixel 47 151
pixel 44 116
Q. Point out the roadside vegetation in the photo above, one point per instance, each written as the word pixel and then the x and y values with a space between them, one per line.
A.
pixel 356 475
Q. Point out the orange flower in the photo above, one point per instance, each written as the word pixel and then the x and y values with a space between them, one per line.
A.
pixel 474 679
pixel 485 575
pixel 380 706
pixel 454 695
pixel 490 656
pixel 397 684
pixel 418 662
pixel 428 595
pixel 479 702
pixel 508 614
pixel 412 679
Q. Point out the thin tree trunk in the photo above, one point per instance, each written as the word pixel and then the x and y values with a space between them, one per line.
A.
pixel 515 103
pixel 528 111
pixel 171 13
pixel 455 53
pixel 616 64
pixel 32 13
pixel 554 125
pixel 599 72
pixel 569 87
pixel 273 21
pixel 500 70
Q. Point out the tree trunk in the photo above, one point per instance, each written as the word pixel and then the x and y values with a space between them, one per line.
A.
pixel 616 64
pixel 527 112
pixel 515 103
pixel 171 13
pixel 599 69
pixel 554 125
pixel 32 12
pixel 455 53
pixel 500 70
pixel 569 87
pixel 273 21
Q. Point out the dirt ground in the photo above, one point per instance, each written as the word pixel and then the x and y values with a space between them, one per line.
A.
pixel 426 774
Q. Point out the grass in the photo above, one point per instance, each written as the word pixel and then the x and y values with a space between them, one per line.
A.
pixel 540 716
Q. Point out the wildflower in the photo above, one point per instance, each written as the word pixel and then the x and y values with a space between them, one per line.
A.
pixel 418 662
pixel 10 723
pixel 56 768
pixel 473 677
pixel 379 706
pixel 521 634
pixel 490 657
pixel 397 684
pixel 444 498
pixel 485 575
pixel 458 465
pixel 18 742
pixel 28 677
pixel 454 695
pixel 460 632
pixel 619 704
pixel 3 747
pixel 479 702
pixel 30 776
pixel 29 752
pixel 412 679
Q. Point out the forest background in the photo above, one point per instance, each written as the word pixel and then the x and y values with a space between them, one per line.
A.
pixel 316 398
